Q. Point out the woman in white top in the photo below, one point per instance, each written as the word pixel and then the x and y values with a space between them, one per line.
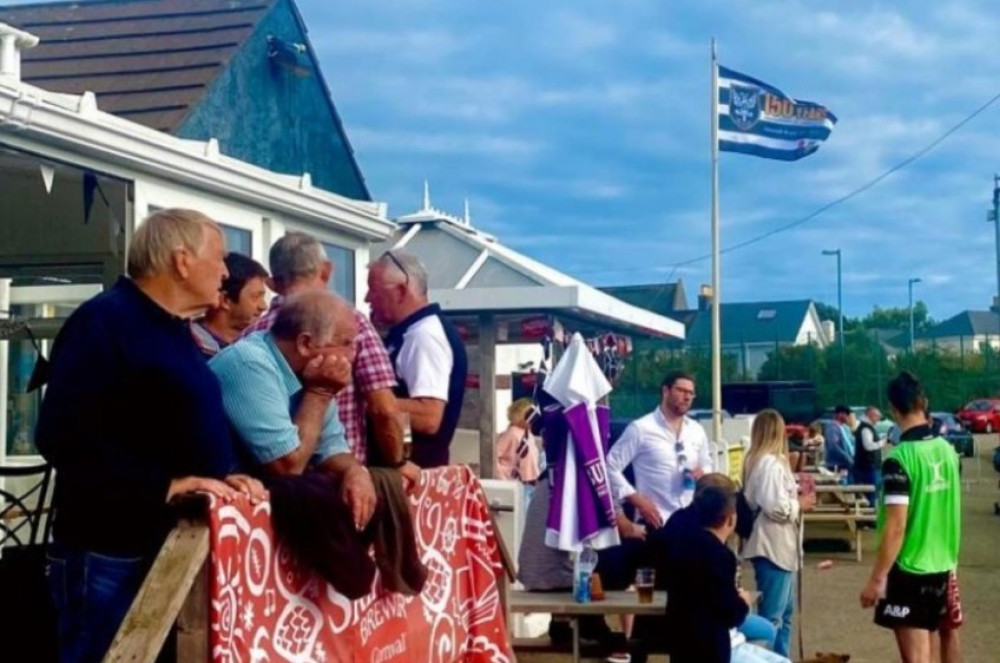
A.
pixel 774 547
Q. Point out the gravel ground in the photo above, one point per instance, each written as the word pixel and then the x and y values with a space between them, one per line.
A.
pixel 832 617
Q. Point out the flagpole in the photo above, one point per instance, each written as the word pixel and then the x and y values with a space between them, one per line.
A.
pixel 716 291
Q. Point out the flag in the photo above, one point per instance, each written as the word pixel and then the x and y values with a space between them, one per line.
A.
pixel 759 119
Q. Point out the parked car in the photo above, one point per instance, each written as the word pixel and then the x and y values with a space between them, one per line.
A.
pixel 950 428
pixel 981 415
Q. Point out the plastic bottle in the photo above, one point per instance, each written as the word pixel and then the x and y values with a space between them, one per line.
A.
pixel 586 562
pixel 687 494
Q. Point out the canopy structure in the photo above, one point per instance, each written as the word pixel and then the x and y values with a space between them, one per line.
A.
pixel 497 295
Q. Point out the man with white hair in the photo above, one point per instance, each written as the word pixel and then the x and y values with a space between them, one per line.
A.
pixel 299 264
pixel 426 352
pixel 131 418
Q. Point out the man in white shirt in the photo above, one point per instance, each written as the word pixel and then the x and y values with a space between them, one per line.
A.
pixel 661 447
pixel 426 352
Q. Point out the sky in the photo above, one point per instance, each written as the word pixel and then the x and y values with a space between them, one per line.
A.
pixel 579 132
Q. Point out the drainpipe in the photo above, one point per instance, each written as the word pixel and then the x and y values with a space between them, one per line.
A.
pixel 12 41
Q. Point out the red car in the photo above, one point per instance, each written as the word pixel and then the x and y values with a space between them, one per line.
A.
pixel 981 415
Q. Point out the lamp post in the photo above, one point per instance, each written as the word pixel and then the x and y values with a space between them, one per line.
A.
pixel 993 216
pixel 840 298
pixel 840 321
pixel 909 286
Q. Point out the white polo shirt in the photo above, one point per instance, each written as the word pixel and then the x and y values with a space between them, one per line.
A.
pixel 649 446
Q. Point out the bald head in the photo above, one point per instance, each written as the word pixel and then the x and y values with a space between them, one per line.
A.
pixel 316 313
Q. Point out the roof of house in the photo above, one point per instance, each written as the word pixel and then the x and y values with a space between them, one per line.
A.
pixel 751 322
pixel 472 272
pixel 966 323
pixel 663 298
pixel 146 60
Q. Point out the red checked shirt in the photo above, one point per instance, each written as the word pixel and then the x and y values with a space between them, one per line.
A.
pixel 372 371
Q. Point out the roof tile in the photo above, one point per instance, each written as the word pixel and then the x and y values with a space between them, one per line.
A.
pixel 147 60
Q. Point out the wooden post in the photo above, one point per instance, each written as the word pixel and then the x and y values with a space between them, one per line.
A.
pixel 487 395
pixel 192 623
pixel 180 562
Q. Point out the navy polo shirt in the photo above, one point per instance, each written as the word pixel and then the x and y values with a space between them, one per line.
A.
pixel 430 362
pixel 130 405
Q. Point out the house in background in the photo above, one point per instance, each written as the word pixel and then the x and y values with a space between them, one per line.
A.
pixel 968 331
pixel 242 72
pixel 668 299
pixel 750 330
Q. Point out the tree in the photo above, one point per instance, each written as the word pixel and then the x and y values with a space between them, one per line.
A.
pixel 880 318
pixel 898 317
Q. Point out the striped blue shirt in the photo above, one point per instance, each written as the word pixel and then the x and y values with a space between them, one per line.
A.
pixel 261 395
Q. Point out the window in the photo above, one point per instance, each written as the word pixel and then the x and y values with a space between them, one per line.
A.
pixel 238 240
pixel 342 282
pixel 53 303
pixel 766 314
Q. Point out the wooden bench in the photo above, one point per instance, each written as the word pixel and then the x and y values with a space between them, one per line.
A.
pixel 562 603
pixel 850 506
pixel 850 519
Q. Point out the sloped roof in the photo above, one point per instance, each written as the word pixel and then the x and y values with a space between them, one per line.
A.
pixel 469 271
pixel 751 322
pixel 966 323
pixel 146 60
pixel 662 298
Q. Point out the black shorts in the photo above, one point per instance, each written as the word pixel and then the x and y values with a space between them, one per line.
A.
pixel 914 601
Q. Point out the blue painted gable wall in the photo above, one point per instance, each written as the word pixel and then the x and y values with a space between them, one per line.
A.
pixel 267 115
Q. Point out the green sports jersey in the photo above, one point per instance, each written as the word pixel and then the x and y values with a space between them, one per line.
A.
pixel 924 475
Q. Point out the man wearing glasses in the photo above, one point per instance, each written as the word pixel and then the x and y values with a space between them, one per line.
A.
pixel 426 352
pixel 668 452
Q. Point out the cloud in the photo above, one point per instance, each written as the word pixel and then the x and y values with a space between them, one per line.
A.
pixel 445 144
pixel 579 131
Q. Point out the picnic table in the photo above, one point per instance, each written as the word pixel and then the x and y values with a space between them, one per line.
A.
pixel 847 505
pixel 562 603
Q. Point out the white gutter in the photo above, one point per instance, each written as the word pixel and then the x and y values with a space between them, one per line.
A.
pixel 29 115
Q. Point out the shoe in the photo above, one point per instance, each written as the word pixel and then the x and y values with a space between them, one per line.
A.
pixel 619 657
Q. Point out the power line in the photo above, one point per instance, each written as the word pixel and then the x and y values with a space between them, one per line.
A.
pixel 825 208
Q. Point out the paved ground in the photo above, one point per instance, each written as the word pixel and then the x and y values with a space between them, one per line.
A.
pixel 833 619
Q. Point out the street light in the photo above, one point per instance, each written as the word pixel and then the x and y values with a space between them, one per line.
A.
pixel 840 319
pixel 909 286
pixel 840 294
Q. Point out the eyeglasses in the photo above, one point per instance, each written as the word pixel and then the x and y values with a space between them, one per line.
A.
pixel 398 264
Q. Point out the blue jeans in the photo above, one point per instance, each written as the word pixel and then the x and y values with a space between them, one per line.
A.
pixel 748 653
pixel 777 600
pixel 757 629
pixel 92 594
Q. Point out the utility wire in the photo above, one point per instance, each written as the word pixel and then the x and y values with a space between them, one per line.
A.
pixel 827 207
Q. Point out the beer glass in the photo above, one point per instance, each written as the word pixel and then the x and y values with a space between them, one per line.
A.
pixel 645 579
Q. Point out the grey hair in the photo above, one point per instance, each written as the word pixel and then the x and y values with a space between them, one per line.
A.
pixel 160 234
pixel 415 269
pixel 295 255
pixel 313 312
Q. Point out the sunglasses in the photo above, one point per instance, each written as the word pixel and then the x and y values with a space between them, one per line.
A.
pixel 398 264
pixel 679 450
